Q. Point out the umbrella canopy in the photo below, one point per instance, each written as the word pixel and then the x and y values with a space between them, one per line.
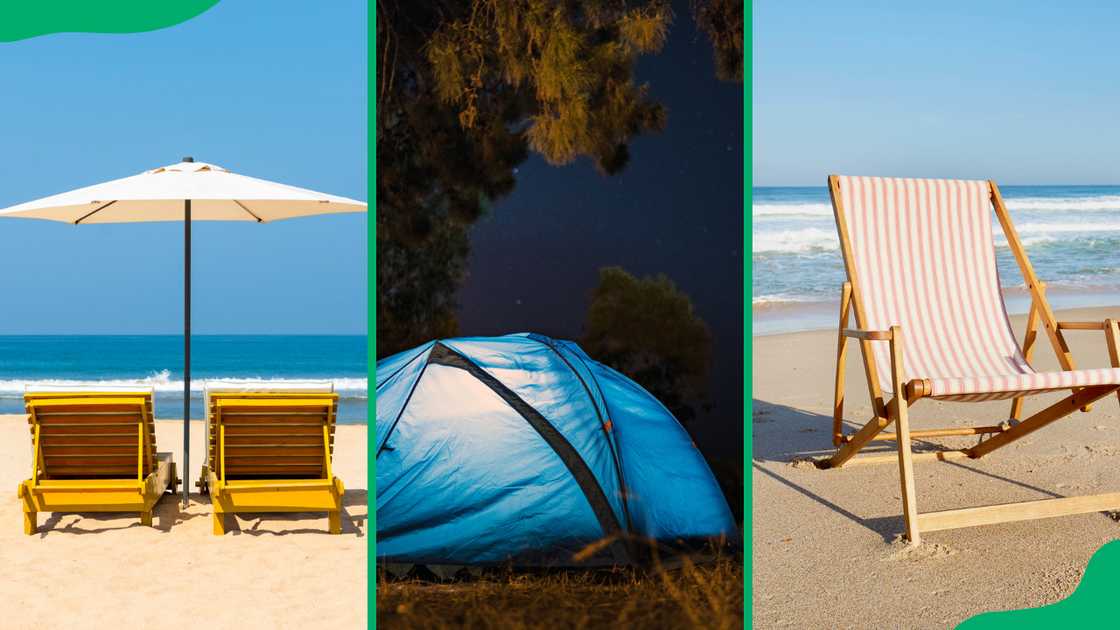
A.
pixel 216 194
pixel 187 191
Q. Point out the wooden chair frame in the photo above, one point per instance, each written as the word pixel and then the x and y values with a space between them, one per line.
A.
pixel 272 493
pixel 94 491
pixel 906 393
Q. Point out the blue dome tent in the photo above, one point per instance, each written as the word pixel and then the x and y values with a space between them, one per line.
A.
pixel 523 449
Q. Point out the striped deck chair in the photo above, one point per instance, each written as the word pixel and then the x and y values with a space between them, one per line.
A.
pixel 270 450
pixel 93 452
pixel 921 267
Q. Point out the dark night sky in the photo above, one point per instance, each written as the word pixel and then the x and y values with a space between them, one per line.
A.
pixel 676 209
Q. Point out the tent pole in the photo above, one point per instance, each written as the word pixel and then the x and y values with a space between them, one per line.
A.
pixel 186 351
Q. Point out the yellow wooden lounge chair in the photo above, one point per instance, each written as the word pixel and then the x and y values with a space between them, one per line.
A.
pixel 270 451
pixel 93 452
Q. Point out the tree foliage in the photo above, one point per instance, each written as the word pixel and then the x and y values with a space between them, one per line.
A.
pixel 466 89
pixel 566 65
pixel 722 22
pixel 646 329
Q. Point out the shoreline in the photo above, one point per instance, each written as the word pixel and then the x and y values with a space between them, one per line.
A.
pixel 777 318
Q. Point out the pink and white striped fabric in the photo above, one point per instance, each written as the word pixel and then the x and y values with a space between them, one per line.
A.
pixel 924 260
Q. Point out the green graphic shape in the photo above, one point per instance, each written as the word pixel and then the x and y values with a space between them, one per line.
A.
pixel 1093 600
pixel 22 19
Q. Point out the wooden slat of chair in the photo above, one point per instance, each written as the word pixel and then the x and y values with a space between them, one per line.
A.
pixel 299 436
pixel 269 395
pixel 84 472
pixel 288 430
pixel 97 418
pixel 83 430
pixel 63 440
pixel 271 435
pixel 240 458
pixel 272 449
pixel 101 454
pixel 288 471
pixel 273 439
pixel 94 435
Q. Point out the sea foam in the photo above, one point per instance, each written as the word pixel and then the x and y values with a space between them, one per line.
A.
pixel 1071 233
pixel 166 386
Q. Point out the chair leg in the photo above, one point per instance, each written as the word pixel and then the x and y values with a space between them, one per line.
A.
pixel 906 473
pixel 30 522
pixel 220 524
pixel 899 409
pixel 334 522
pixel 173 486
pixel 1112 337
pixel 1028 347
pixel 841 350
pixel 146 518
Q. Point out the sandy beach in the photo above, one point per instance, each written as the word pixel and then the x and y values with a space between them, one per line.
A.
pixel 826 549
pixel 107 571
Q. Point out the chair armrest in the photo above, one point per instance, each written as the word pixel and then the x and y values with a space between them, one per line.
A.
pixel 1081 326
pixel 867 335
pixel 1105 325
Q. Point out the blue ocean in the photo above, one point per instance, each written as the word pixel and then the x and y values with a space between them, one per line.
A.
pixel 157 360
pixel 1071 233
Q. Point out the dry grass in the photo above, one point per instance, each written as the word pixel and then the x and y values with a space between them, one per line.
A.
pixel 708 595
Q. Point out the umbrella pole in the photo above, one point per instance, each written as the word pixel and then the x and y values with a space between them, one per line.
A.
pixel 186 350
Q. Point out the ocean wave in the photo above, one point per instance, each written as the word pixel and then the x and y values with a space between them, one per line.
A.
pixel 1045 227
pixel 1098 203
pixel 811 239
pixel 800 241
pixel 165 386
pixel 1027 241
pixel 791 209
pixel 785 299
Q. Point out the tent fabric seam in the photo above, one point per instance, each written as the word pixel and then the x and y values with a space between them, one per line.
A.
pixel 545 341
pixel 411 391
pixel 577 467
pixel 388 380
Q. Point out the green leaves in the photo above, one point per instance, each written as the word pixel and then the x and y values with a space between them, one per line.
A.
pixel 646 328
pixel 467 88
pixel 722 22
pixel 645 28
pixel 567 68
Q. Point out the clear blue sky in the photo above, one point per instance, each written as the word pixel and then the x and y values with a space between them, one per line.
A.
pixel 1026 93
pixel 275 90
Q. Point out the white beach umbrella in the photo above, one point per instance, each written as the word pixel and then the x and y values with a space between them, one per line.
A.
pixel 187 191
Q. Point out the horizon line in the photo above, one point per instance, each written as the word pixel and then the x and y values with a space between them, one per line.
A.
pixel 1003 185
pixel 120 334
